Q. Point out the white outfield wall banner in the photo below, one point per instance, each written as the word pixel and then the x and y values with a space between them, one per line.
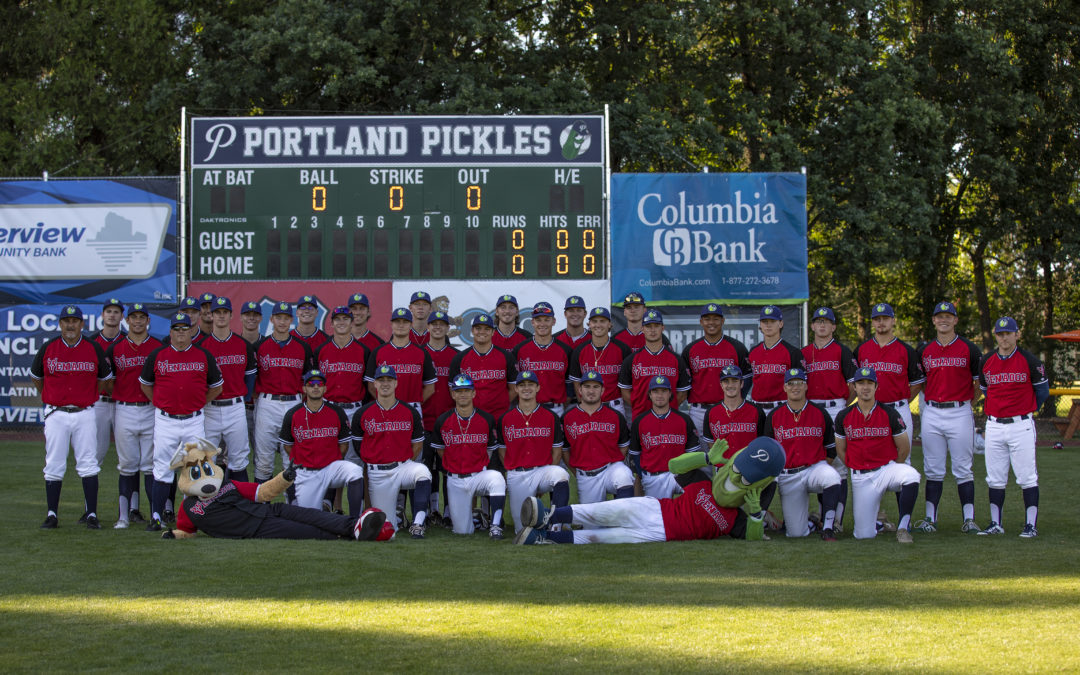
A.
pixel 735 238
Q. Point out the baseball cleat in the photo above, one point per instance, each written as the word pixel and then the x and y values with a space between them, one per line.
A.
pixel 496 533
pixel 535 514
pixel 122 524
pixel 92 523
pixel 168 517
pixel 1029 532
pixel 970 526
pixel 416 531
pixel 992 528
pixel 82 518
pixel 51 523
pixel 904 536
pixel 884 524
pixel 530 536
pixel 828 534
pixel 925 525
pixel 154 526
pixel 136 517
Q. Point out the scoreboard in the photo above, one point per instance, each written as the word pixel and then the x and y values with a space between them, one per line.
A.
pixel 419 197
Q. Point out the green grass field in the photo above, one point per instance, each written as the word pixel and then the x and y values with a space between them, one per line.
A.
pixel 112 600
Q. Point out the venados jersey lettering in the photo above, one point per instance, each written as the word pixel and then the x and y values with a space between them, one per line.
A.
pixel 649 441
pixel 515 433
pixel 886 367
pixel 782 434
pixel 452 438
pixel 944 362
pixel 1003 378
pixel 651 371
pixel 267 362
pixel 815 366
pixel 704 500
pixel 376 427
pixel 701 362
pixel 169 367
pixel 58 366
pixel 869 432
pixel 577 429
pixel 199 507
pixel 321 432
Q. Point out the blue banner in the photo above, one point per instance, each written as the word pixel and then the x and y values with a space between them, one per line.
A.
pixel 678 238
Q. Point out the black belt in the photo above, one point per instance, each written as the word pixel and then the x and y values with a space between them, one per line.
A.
pixel 867 470
pixel 137 404
pixel 827 402
pixel 653 473
pixel 228 401
pixel 524 468
pixel 1008 420
pixel 280 397
pixel 181 417
pixel 702 405
pixel 549 405
pixel 594 472
pixel 464 475
pixel 386 467
pixel 107 399
pixel 946 404
pixel 68 408
pixel 307 468
pixel 797 469
pixel 768 404
pixel 346 406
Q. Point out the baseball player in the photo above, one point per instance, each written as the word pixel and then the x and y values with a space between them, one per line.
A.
pixel 654 358
pixel 633 335
pixel 134 417
pixel 530 444
pixel 706 358
pixel 733 419
pixel 1015 385
pixel 316 435
pixel 465 440
pixel 507 335
pixel 805 431
pixel 420 306
pixel 250 320
pixel 179 378
pixel 895 362
pixel 343 362
pixel 600 354
pixel 69 372
pixel 282 361
pixel 361 311
pixel 951 364
pixel 192 308
pixel 656 436
pixel 597 439
pixel 226 418
pixel 442 353
pixel 575 332
pixel 489 368
pixel 105 409
pixel 307 310
pixel 872 441
pixel 412 364
pixel 206 319
pixel 388 434
pixel 770 359
pixel 546 358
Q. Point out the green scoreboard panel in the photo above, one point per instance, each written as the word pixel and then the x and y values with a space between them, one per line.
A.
pixel 398 198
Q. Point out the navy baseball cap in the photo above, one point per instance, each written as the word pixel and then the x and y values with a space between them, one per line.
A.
pixel 574 301
pixel 865 373
pixel 221 302
pixel 137 307
pixel 420 296
pixel 633 298
pixel 315 374
pixel 592 376
pixel 1006 324
pixel 180 319
pixel 282 308
pixel 506 298
pixel 881 309
pixel 401 313
pixel 340 310
pixel 250 306
pixel 731 373
pixel 712 309
pixel 385 371
pixel 543 309
pixel 526 376
pixel 112 302
pixel 794 374
pixel 189 303
pixel 461 382
pixel 439 316
pixel 482 320
pixel 358 299
pixel 945 307
pixel 659 382
pixel 652 316
pixel 762 458
pixel 823 313
pixel 307 300
pixel 771 312
pixel 71 311
pixel 601 312
pixel 206 298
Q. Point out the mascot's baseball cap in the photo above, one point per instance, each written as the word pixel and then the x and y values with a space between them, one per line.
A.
pixel 771 312
pixel 461 382
pixel 483 320
pixel 137 308
pixel 633 298
pixel 180 319
pixel 712 309
pixel 439 316
pixel 601 312
pixel 358 299
pixel 762 458
pixel 315 374
pixel 506 298
pixel 282 308
pixel 340 310
pixel 526 376
pixel 221 302
pixel 189 303
pixel 206 298
pixel 250 306
pixel 653 316
pixel 1006 324
pixel 945 307
pixel 731 373
pixel 401 313
pixel 307 300
pixel 112 302
pixel 881 309
pixel 659 382
pixel 385 371
pixel 420 296
pixel 823 313
pixel 794 374
pixel 71 311
pixel 592 376
pixel 865 373
pixel 543 309
pixel 574 301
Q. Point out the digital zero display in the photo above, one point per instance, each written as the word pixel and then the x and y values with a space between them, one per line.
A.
pixel 398 197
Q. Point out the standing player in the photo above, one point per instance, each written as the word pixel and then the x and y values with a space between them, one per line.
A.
pixel 105 409
pixel 951 364
pixel 658 435
pixel 507 335
pixel 343 362
pixel 282 361
pixel 530 444
pixel 68 373
pixel 226 418
pixel 316 435
pixel 770 359
pixel 597 439
pixel 250 320
pixel 734 420
pixel 489 368
pixel 134 421
pixel 465 440
pixel 1015 385
pixel 179 378
pixel 413 367
pixel 633 336
pixel 601 354
pixel 206 320
pixel 575 332
pixel 896 364
pixel 442 354
pixel 805 431
pixel 192 308
pixel 706 357
pixel 361 310
pixel 420 306
pixel 546 358
pixel 873 443
pixel 654 358
pixel 307 310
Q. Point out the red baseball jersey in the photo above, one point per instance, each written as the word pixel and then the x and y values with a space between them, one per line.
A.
pixel 127 360
pixel 897 367
pixel 738 427
pixel 828 370
pixel 70 373
pixel 314 341
pixel 490 373
pixel 466 443
pixel 636 341
pixel 105 342
pixel 370 340
pixel 550 362
pixel 440 400
pixel 412 364
pixel 419 339
pixel 950 369
pixel 705 360
pixel 385 436
pixel 806 435
pixel 508 342
pixel 344 369
pixel 530 439
pixel 595 440
pixel 642 365
pixel 695 514
pixel 570 341
pixel 659 438
pixel 313 437
pixel 606 360
pixel 282 365
pixel 869 438
pixel 232 513
pixel 180 378
pixel 235 358
pixel 768 365
pixel 1009 382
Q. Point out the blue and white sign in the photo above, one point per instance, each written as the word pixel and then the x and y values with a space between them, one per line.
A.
pixel 709 237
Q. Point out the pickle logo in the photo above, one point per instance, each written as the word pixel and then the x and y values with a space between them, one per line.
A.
pixel 575 140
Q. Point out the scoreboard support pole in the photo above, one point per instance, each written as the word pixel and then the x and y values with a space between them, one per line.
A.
pixel 182 217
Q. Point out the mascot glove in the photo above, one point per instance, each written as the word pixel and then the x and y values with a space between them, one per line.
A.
pixel 168 534
pixel 289 473
pixel 753 500
pixel 755 528
pixel 716 452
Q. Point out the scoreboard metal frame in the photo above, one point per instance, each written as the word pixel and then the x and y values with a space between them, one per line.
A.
pixel 398 197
